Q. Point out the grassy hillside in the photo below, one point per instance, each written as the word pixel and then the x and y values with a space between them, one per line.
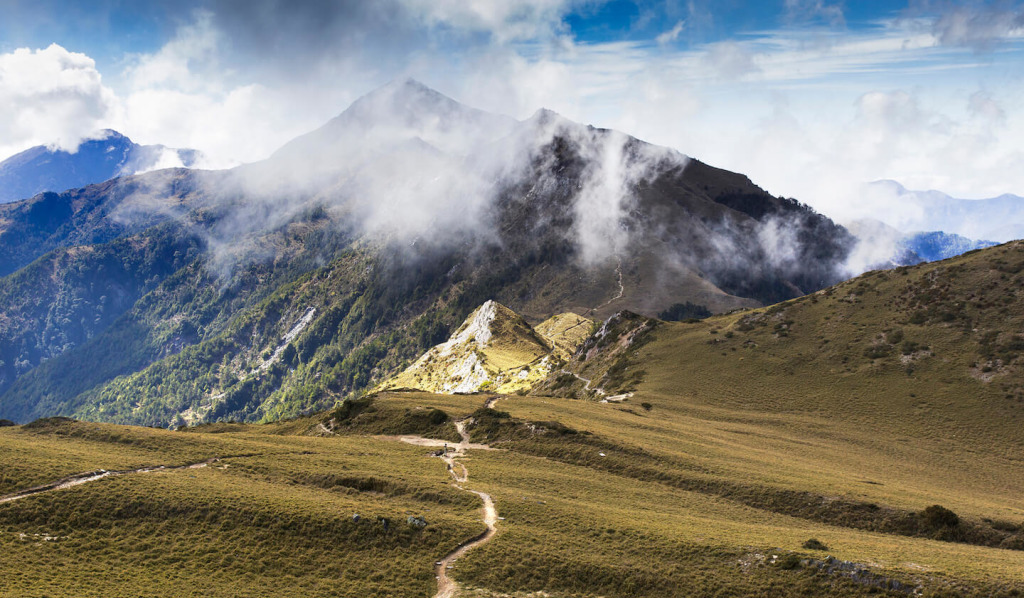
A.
pixel 590 497
pixel 273 515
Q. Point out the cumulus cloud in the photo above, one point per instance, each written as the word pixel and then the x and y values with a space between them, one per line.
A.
pixel 804 119
pixel 50 96
pixel 730 60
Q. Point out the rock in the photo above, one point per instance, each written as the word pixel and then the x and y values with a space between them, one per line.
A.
pixel 418 522
pixel 356 518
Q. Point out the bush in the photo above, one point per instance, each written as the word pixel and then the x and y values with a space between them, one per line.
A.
pixel 5 423
pixel 789 561
pixel 937 517
pixel 815 544
pixel 876 351
pixel 647 406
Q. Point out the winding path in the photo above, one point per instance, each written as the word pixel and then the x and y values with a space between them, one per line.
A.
pixel 92 476
pixel 446 586
pixel 599 391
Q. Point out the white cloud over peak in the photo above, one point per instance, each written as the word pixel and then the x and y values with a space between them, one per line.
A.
pixel 811 111
pixel 50 96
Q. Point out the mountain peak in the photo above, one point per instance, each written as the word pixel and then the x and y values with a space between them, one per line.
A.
pixel 494 348
pixel 102 156
pixel 391 115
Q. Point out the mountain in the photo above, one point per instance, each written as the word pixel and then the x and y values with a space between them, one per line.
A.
pixel 863 440
pixel 109 155
pixel 1000 218
pixel 495 349
pixel 881 246
pixel 938 245
pixel 337 262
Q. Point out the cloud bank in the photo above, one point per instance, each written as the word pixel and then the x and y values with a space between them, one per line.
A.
pixel 811 109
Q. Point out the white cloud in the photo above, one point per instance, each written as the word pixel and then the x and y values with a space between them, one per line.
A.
pixel 503 19
pixel 806 113
pixel 671 35
pixel 978 26
pixel 194 46
pixel 814 10
pixel 50 96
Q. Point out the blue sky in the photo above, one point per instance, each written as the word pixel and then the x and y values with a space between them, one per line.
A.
pixel 810 98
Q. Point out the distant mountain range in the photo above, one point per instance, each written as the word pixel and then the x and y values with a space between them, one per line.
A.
pixel 111 154
pixel 937 245
pixel 998 219
pixel 890 247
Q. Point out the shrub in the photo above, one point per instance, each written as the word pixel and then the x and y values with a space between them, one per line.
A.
pixel 815 544
pixel 789 561
pixel 647 406
pixel 876 351
pixel 937 516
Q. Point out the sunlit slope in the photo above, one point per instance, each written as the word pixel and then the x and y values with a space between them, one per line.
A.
pixel 593 500
pixel 495 349
pixel 902 387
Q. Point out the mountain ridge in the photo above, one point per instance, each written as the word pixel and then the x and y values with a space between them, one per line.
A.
pixel 107 155
pixel 392 253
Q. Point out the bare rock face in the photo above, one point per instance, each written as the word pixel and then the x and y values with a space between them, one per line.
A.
pixel 495 349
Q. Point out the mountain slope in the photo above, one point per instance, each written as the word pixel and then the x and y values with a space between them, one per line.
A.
pixel 40 169
pixel 938 245
pixel 392 249
pixel 864 440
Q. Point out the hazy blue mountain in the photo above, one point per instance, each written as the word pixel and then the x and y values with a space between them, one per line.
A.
pixel 1000 218
pixel 40 168
pixel 937 245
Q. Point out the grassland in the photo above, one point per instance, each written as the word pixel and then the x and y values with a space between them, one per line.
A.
pixel 841 417
pixel 275 519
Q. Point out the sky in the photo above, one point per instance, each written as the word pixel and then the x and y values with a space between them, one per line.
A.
pixel 809 98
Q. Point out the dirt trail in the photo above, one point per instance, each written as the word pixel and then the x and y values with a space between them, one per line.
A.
pixel 92 476
pixel 600 392
pixel 446 586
